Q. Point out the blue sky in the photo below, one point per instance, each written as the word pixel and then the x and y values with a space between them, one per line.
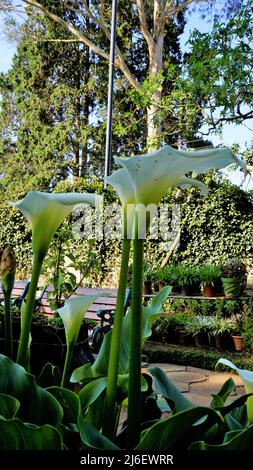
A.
pixel 241 134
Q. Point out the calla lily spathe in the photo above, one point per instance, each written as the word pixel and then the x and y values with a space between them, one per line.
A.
pixel 144 179
pixel 73 311
pixel 45 212
pixel 247 378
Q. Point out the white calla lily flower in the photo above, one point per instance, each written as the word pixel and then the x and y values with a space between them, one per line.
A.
pixel 144 179
pixel 73 311
pixel 247 379
pixel 46 211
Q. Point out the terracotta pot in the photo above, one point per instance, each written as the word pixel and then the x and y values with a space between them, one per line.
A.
pixel 223 342
pixel 238 343
pixel 209 290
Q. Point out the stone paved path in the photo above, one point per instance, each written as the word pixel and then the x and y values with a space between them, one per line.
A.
pixel 199 384
pixel 196 384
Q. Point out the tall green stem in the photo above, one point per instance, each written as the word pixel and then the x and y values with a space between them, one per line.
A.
pixel 27 313
pixel 111 390
pixel 134 387
pixel 8 324
pixel 68 358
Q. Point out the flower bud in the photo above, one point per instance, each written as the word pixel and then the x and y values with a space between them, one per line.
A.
pixel 7 269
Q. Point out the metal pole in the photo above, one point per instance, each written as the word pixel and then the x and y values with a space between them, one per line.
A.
pixel 108 144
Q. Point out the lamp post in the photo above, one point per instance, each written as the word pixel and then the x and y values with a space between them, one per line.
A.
pixel 108 144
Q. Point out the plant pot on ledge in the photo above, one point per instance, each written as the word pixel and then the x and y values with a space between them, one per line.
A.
pixel 234 278
pixel 234 287
pixel 238 343
pixel 209 290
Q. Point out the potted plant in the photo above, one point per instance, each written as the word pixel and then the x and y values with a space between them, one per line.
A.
pixel 220 328
pixel 237 327
pixel 164 329
pixel 187 277
pixel 234 278
pixel 183 336
pixel 147 280
pixel 209 275
pixel 170 277
pixel 166 277
pixel 200 327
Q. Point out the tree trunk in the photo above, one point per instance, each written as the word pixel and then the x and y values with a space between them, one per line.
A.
pixel 155 48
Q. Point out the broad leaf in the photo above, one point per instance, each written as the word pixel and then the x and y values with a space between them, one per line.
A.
pixel 165 387
pixel 178 430
pixel 8 406
pixel 90 392
pixel 100 366
pixel 16 435
pixel 234 440
pixel 93 439
pixel 50 376
pixel 247 378
pixel 227 388
pixel 37 406
pixel 69 402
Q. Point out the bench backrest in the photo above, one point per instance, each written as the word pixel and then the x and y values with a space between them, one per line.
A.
pixel 101 303
pixel 42 303
pixel 19 292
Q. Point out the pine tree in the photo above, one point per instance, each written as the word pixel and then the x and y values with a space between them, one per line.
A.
pixel 44 110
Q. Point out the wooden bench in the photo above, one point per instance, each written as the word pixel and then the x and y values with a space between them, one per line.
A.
pixel 100 304
pixel 18 294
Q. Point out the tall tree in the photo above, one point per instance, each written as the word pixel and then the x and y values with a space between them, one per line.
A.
pixel 45 108
pixel 218 70
pixel 152 18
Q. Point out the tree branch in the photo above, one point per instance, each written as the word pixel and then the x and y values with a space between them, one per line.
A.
pixel 171 10
pixel 144 28
pixel 119 62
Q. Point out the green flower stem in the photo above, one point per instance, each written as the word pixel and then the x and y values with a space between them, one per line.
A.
pixel 134 387
pixel 27 314
pixel 8 324
pixel 111 390
pixel 68 359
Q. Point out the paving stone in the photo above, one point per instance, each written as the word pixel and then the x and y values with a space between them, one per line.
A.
pixel 169 367
pixel 197 369
pixel 182 386
pixel 206 388
pixel 221 377
pixel 188 377
pixel 198 399
pixel 240 390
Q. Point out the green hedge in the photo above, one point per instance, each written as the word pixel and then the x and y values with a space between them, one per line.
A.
pixel 212 229
pixel 202 358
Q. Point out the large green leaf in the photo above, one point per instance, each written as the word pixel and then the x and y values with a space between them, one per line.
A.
pixel 165 387
pixel 69 402
pixel 177 431
pixel 237 403
pixel 100 366
pixel 50 376
pixel 90 392
pixel 16 435
pixel 93 439
pixel 219 399
pixel 235 440
pixel 8 406
pixel 37 406
pixel 95 413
